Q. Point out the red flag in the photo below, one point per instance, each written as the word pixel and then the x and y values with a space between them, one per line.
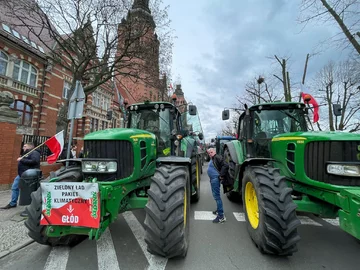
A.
pixel 309 99
pixel 56 145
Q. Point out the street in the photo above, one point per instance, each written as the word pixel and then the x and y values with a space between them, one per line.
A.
pixel 323 245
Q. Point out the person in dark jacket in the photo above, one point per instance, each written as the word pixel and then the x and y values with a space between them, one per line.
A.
pixel 217 171
pixel 30 161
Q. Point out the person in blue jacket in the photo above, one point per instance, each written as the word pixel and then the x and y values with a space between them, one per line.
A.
pixel 217 171
pixel 30 161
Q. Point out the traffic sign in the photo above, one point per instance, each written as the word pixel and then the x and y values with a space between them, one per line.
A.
pixel 70 204
pixel 77 102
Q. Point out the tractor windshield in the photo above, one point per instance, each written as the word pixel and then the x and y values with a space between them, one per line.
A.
pixel 269 123
pixel 154 121
pixel 274 122
pixel 192 123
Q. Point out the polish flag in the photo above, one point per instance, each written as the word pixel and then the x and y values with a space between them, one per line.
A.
pixel 56 145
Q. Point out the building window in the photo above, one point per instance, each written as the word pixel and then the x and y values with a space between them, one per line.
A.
pixel 24 111
pixel 3 63
pixel 25 73
pixel 66 90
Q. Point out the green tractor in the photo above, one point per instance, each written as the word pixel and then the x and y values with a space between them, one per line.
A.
pixel 149 165
pixel 280 167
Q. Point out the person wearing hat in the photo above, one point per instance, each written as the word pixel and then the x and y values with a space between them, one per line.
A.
pixel 217 171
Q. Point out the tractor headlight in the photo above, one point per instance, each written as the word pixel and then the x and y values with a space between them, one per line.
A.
pixel 344 170
pixel 99 166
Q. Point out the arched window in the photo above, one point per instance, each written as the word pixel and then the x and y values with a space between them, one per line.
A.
pixel 24 111
pixel 25 73
pixel 3 63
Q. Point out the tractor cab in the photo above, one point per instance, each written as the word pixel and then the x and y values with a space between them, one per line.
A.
pixel 162 119
pixel 259 124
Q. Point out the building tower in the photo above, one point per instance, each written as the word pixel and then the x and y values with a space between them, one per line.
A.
pixel 137 34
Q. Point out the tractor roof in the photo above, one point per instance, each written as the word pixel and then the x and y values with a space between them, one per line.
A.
pixel 278 105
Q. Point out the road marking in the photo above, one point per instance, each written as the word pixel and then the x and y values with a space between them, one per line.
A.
pixel 239 216
pixel 308 221
pixel 57 258
pixel 155 262
pixel 332 221
pixel 107 258
pixel 204 215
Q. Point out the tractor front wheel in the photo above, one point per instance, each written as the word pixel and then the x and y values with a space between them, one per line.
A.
pixel 269 211
pixel 167 212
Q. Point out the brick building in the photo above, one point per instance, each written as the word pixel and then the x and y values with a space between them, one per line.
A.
pixel 152 87
pixel 41 88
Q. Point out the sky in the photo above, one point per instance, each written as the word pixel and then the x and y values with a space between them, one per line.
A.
pixel 220 45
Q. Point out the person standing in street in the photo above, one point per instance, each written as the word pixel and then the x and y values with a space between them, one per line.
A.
pixel 217 171
pixel 30 161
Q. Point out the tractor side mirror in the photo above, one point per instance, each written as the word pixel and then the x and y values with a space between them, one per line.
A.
pixel 225 115
pixel 201 136
pixel 337 109
pixel 192 109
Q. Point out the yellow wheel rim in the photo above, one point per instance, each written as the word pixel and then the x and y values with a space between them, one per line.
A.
pixel 185 206
pixel 252 207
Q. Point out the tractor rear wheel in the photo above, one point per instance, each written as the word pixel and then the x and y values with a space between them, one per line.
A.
pixel 269 211
pixel 195 174
pixel 34 211
pixel 167 212
pixel 233 196
pixel 231 163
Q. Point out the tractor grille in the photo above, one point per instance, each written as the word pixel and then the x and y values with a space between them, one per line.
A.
pixel 317 154
pixel 122 151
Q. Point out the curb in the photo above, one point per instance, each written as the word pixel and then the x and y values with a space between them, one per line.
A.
pixel 15 248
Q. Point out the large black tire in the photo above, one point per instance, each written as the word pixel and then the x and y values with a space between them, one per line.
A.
pixel 196 176
pixel 37 231
pixel 167 212
pixel 274 228
pixel 234 196
pixel 231 163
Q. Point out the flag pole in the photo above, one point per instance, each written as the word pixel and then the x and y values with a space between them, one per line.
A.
pixel 32 150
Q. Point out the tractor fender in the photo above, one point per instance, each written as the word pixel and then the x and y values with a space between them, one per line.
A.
pixel 232 150
pixel 253 161
pixel 174 159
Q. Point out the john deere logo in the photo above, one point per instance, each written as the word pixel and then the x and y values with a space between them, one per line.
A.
pixel 94 205
pixel 48 203
pixel 358 154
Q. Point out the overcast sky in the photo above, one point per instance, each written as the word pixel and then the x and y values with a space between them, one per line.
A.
pixel 222 44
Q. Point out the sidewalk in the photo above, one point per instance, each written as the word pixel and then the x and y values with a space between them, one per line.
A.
pixel 13 233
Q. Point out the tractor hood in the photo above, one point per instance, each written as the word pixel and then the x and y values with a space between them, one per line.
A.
pixel 119 134
pixel 318 136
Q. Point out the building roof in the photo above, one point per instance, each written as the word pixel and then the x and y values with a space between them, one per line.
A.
pixel 16 18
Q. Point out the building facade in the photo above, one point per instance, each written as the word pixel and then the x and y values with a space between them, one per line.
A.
pixel 41 88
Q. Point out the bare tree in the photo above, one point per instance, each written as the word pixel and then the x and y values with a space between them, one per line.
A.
pixel 96 40
pixel 340 84
pixel 344 12
pixel 257 91
pixel 285 80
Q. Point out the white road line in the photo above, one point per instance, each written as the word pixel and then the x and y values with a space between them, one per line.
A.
pixel 239 216
pixel 204 215
pixel 334 222
pixel 106 255
pixel 308 221
pixel 155 262
pixel 57 258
